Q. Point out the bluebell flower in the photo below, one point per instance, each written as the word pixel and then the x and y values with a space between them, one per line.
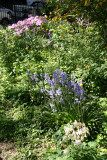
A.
pixel 51 93
pixel 36 79
pixel 42 90
pixel 77 100
pixel 41 75
pixel 69 85
pixel 58 92
pixel 32 77
pixel 46 76
pixel 61 100
pixel 72 77
pixel 50 81
pixel 51 105
pixel 35 74
pixel 82 94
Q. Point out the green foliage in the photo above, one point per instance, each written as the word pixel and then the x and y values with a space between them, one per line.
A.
pixel 25 116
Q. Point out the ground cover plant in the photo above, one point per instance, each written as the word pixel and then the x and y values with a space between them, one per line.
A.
pixel 53 72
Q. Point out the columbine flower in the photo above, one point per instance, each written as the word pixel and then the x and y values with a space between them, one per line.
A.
pixel 70 136
pixel 84 130
pixel 67 130
pixel 79 132
pixel 77 142
pixel 75 124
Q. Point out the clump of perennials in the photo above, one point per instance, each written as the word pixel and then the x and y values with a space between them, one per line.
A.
pixel 74 133
pixel 62 91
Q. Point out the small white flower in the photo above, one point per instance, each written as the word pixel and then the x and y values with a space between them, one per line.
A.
pixel 67 130
pixel 77 142
pixel 82 138
pixel 74 135
pixel 70 136
pixel 75 124
pixel 79 132
pixel 65 151
pixel 64 137
pixel 55 45
pixel 84 130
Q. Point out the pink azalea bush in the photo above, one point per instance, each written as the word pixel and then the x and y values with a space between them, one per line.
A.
pixel 26 24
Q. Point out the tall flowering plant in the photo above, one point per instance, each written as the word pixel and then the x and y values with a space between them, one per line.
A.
pixel 61 92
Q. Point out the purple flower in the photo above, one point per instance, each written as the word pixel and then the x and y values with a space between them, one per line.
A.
pixel 51 93
pixel 36 79
pixel 41 75
pixel 61 100
pixel 82 93
pixel 72 77
pixel 48 43
pixel 77 100
pixel 42 90
pixel 38 28
pixel 35 74
pixel 46 76
pixel 32 77
pixel 51 105
pixel 58 92
pixel 69 85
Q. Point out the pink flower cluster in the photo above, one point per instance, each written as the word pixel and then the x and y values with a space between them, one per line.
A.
pixel 24 25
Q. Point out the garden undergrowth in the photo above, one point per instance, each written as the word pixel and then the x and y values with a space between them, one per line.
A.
pixel 53 75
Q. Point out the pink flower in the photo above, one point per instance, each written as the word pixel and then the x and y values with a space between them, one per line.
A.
pixel 48 42
pixel 39 22
pixel 65 151
pixel 38 28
